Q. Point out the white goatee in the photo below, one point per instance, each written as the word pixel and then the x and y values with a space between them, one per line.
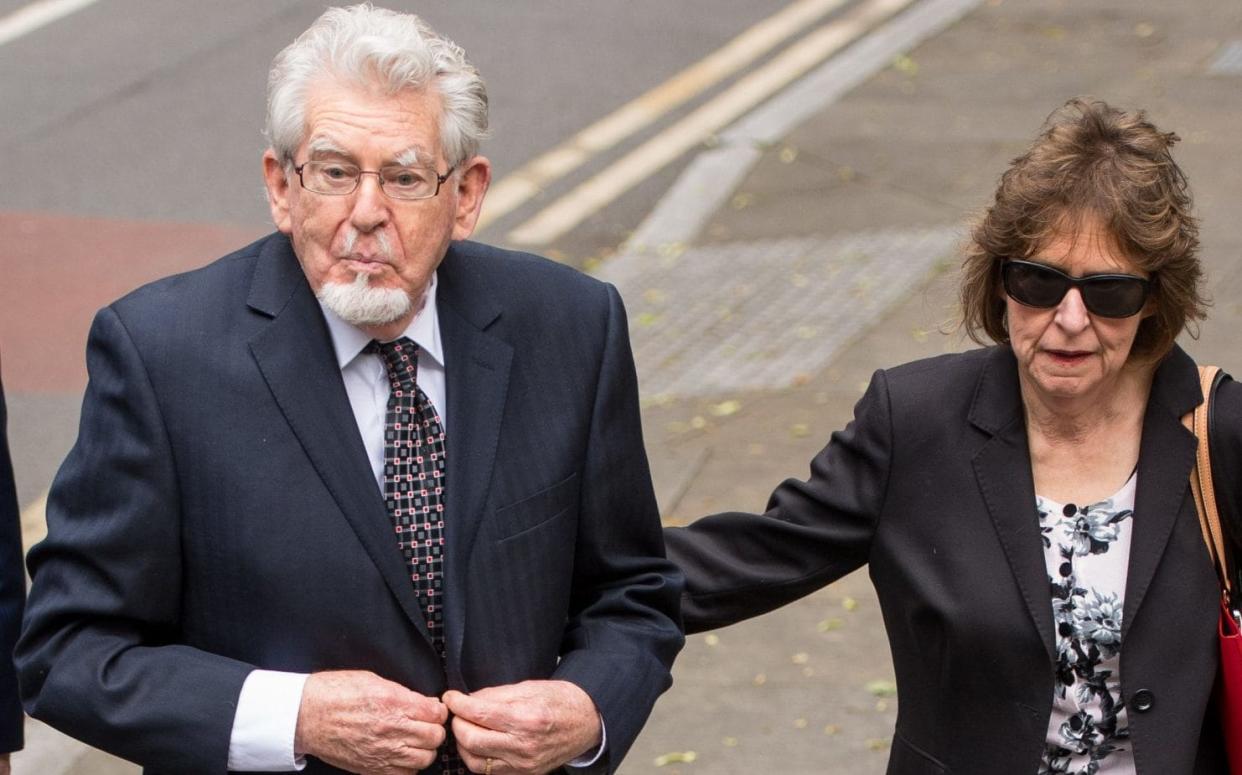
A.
pixel 359 304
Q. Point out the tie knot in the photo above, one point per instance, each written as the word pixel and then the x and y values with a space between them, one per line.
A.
pixel 400 359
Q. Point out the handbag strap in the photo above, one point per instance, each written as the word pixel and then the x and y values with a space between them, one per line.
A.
pixel 1201 480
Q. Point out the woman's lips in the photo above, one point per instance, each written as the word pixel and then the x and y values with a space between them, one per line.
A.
pixel 1068 357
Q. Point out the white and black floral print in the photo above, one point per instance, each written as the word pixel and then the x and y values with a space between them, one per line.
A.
pixel 1087 551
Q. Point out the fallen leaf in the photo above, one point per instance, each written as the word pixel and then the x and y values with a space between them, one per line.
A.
pixel 742 200
pixel 801 658
pixel 877 743
pixel 831 729
pixel 882 688
pixel 712 639
pixel 799 430
pixel 906 65
pixel 849 603
pixel 828 625
pixel 646 319
pixel 675 757
pixel 725 408
pixel 729 742
pixel 788 154
pixel 759 680
pixel 800 723
pixel 698 423
pixel 1144 29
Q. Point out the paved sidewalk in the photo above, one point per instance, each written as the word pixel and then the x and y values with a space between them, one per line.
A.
pixel 920 146
pixel 912 151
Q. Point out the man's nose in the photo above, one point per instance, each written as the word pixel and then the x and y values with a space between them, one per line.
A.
pixel 370 203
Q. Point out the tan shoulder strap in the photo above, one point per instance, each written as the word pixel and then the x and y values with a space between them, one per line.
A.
pixel 1201 478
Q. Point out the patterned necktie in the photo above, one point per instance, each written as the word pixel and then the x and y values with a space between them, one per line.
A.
pixel 414 494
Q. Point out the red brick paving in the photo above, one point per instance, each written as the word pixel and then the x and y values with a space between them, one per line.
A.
pixel 57 270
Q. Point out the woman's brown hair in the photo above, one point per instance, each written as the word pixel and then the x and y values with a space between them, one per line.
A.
pixel 1092 160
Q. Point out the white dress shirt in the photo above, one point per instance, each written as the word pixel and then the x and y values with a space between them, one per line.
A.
pixel 267 708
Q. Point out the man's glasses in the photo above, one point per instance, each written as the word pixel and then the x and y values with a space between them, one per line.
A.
pixel 336 178
pixel 1106 295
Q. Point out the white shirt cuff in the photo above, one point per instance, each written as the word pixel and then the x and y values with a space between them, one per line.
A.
pixel 266 722
pixel 587 759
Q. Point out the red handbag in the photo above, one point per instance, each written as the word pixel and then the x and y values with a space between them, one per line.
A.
pixel 1229 681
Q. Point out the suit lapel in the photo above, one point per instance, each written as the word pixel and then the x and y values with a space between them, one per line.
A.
pixel 294 353
pixel 1166 456
pixel 1003 471
pixel 477 368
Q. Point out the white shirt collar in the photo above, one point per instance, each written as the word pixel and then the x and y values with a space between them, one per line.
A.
pixel 348 341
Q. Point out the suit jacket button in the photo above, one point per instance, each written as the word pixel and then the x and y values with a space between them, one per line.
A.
pixel 1142 701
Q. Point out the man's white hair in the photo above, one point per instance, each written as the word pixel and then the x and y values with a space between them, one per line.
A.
pixel 376 47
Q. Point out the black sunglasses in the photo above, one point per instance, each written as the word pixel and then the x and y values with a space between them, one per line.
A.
pixel 1106 295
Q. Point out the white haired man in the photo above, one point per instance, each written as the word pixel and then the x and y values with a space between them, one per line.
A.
pixel 360 477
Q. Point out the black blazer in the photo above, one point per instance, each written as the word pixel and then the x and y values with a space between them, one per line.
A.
pixel 218 512
pixel 931 486
pixel 12 594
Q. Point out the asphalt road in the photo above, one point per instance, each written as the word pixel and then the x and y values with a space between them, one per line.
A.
pixel 135 127
pixel 134 109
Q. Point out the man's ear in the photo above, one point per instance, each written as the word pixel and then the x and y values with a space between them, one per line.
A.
pixel 472 182
pixel 277 183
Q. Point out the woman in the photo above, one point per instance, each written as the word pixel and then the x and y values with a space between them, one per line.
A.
pixel 1024 508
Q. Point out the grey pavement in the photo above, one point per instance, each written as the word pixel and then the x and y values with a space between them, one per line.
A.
pixel 914 150
pixel 918 147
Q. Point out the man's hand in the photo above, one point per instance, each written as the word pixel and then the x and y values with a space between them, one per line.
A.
pixel 4 764
pixel 527 728
pixel 355 720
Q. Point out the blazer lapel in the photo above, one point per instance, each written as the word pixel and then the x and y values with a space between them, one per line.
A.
pixel 1003 471
pixel 294 353
pixel 477 368
pixel 1166 456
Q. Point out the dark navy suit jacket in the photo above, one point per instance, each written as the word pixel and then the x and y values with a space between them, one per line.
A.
pixel 930 486
pixel 218 512
pixel 12 593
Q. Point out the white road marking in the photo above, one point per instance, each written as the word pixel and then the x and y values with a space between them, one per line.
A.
pixel 714 175
pixel 40 13
pixel 601 190
pixel 34 522
pixel 518 187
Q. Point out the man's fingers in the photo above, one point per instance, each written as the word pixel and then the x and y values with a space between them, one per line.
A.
pixel 427 735
pixel 429 709
pixel 477 740
pixel 479 764
pixel 475 707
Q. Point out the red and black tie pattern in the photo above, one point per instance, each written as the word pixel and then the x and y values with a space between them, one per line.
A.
pixel 414 469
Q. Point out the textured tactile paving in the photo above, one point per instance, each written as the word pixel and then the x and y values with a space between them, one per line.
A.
pixel 763 315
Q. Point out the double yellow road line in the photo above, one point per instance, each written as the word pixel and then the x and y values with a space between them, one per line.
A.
pixel 572 209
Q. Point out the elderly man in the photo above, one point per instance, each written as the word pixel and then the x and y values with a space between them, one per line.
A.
pixel 360 477
pixel 12 593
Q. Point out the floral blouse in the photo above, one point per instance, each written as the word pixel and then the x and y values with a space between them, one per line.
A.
pixel 1087 553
